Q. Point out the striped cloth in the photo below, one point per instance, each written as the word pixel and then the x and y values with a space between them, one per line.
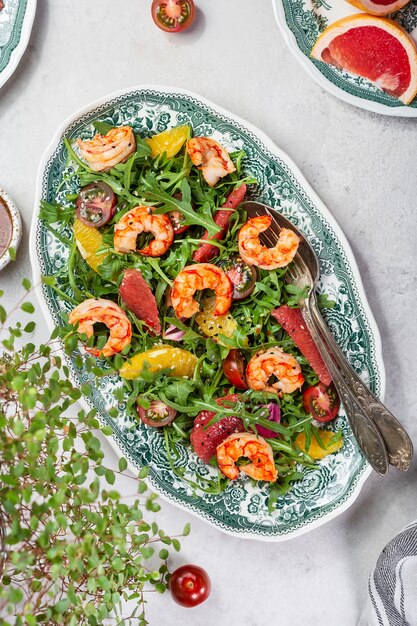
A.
pixel 392 588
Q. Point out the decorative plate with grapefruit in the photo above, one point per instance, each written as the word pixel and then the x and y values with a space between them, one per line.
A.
pixel 362 51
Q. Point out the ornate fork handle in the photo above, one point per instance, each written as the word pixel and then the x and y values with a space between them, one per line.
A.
pixel 397 441
pixel 366 434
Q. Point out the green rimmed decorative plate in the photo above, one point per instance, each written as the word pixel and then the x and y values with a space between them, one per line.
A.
pixel 16 20
pixel 302 21
pixel 240 510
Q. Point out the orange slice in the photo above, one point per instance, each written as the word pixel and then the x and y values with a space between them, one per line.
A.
pixel 89 241
pixel 315 450
pixel 176 361
pixel 379 7
pixel 169 141
pixel 376 48
pixel 214 325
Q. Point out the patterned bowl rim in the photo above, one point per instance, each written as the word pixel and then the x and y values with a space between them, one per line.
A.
pixel 325 83
pixel 18 51
pixel 322 209
pixel 16 227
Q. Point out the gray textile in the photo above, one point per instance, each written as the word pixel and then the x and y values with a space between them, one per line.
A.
pixel 392 585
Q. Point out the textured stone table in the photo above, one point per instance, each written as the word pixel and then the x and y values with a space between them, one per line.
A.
pixel 363 167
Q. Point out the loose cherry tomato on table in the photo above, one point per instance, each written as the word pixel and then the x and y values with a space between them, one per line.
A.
pixel 322 402
pixel 158 414
pixel 234 369
pixel 96 204
pixel 173 16
pixel 189 585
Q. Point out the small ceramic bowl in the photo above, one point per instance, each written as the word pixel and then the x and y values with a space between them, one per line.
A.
pixel 16 227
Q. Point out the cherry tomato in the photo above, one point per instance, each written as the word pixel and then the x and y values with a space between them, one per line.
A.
pixel 173 16
pixel 322 402
pixel 234 369
pixel 177 221
pixel 190 585
pixel 158 414
pixel 96 204
pixel 242 275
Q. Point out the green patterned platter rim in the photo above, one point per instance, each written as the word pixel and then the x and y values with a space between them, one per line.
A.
pixel 302 21
pixel 16 20
pixel 241 509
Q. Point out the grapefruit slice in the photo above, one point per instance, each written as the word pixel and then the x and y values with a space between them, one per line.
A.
pixel 378 7
pixel 293 323
pixel 376 48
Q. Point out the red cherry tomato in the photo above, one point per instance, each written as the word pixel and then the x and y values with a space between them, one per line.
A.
pixel 322 402
pixel 190 585
pixel 173 16
pixel 96 204
pixel 157 415
pixel 177 221
pixel 242 275
pixel 234 369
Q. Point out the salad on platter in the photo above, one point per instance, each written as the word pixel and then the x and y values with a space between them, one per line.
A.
pixel 170 289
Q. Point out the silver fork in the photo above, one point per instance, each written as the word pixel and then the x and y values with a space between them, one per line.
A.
pixel 379 434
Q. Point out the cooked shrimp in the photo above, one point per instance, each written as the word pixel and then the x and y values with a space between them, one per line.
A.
pixel 274 362
pixel 254 253
pixel 139 220
pixel 103 153
pixel 213 160
pixel 106 312
pixel 254 448
pixel 200 276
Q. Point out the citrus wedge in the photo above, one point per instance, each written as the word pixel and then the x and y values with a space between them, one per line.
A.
pixel 89 241
pixel 177 361
pixel 379 7
pixel 315 450
pixel 376 48
pixel 169 141
pixel 215 325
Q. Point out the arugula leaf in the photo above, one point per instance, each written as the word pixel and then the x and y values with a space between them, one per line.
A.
pixel 52 212
pixel 324 302
pixel 155 193
pixel 143 150
pixel 73 157
pixel 103 127
pixel 297 294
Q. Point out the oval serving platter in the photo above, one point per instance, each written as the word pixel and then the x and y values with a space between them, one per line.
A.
pixel 241 509
pixel 16 20
pixel 302 21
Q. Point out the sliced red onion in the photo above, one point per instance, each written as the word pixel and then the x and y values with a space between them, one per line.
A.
pixel 173 333
pixel 274 415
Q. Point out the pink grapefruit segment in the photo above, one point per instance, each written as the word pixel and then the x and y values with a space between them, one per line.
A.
pixel 293 323
pixel 373 47
pixel 379 7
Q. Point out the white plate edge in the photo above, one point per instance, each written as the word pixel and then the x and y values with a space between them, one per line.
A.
pixel 322 81
pixel 320 206
pixel 17 227
pixel 18 52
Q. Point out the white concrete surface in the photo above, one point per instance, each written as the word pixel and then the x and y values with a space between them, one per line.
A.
pixel 363 167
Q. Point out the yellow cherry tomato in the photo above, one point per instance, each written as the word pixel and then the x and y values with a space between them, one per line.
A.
pixel 315 450
pixel 176 361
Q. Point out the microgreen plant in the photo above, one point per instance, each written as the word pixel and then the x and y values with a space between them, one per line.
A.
pixel 72 550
